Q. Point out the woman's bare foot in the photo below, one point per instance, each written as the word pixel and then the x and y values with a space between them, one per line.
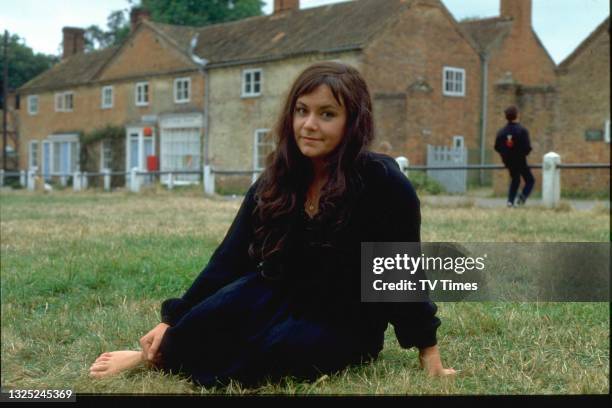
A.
pixel 429 359
pixel 109 364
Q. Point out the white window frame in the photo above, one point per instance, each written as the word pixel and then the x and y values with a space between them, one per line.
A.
pixel 256 144
pixel 461 141
pixel 104 101
pixel 136 93
pixel 462 83
pixel 73 140
pixel 33 104
pixel 178 81
pixel 33 154
pixel 251 72
pixel 61 101
pixel 103 146
pixel 607 131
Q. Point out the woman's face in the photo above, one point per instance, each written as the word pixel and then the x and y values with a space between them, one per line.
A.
pixel 318 123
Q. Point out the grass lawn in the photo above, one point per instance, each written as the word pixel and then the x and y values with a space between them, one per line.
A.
pixel 83 273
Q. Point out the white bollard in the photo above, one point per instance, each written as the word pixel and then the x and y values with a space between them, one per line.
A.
pixel 76 181
pixel 209 180
pixel 1 177
pixel 170 181
pixel 107 179
pixel 31 179
pixel 22 178
pixel 551 180
pixel 134 181
pixel 403 164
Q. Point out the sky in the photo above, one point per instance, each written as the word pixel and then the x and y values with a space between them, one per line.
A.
pixel 561 24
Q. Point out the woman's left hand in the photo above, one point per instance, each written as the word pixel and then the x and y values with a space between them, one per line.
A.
pixel 429 358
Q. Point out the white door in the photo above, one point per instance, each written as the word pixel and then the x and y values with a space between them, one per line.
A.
pixel 139 147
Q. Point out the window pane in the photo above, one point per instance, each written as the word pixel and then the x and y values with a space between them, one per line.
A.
pixel 257 76
pixel 256 88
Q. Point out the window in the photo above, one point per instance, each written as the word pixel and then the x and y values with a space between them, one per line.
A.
pixel 180 150
pixel 453 81
pixel 142 94
pixel 106 155
pixel 64 101
pixel 33 157
pixel 607 131
pixel 264 145
pixel 182 90
pixel 33 104
pixel 107 97
pixel 458 142
pixel 251 82
pixel 61 155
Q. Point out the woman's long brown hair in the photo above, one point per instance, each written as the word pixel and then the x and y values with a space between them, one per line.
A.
pixel 288 173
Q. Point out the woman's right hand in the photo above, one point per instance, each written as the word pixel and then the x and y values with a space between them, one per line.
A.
pixel 150 342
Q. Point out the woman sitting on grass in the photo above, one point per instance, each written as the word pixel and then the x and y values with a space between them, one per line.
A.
pixel 281 294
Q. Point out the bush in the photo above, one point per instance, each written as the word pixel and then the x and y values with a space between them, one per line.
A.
pixel 422 183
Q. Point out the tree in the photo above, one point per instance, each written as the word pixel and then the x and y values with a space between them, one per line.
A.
pixel 23 63
pixel 201 12
pixel 118 30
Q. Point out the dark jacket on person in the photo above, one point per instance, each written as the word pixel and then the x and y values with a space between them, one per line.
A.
pixel 320 266
pixel 512 144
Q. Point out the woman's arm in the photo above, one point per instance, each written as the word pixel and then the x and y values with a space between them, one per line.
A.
pixel 415 323
pixel 229 261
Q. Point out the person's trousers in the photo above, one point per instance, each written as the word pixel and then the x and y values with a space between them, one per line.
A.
pixel 516 173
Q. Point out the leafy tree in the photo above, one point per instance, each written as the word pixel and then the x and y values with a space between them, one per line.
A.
pixel 118 30
pixel 23 63
pixel 201 12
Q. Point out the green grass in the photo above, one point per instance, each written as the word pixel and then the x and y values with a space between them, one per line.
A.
pixel 86 273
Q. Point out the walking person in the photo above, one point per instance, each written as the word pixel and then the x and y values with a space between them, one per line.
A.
pixel 281 294
pixel 512 144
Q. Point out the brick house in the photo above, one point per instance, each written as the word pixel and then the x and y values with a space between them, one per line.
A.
pixel 583 124
pixel 510 52
pixel 148 85
pixel 422 94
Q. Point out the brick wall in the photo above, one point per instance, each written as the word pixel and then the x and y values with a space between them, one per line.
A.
pixel 403 66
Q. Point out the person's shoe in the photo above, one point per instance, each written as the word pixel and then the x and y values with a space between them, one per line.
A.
pixel 509 204
pixel 521 201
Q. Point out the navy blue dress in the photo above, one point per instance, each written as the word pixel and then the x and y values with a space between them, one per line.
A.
pixel 241 321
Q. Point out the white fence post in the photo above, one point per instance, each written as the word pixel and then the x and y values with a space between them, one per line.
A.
pixel 403 164
pixel 22 178
pixel 31 180
pixel 63 180
pixel 76 181
pixel 107 179
pixel 209 180
pixel 1 177
pixel 254 177
pixel 134 181
pixel 84 181
pixel 170 181
pixel 551 180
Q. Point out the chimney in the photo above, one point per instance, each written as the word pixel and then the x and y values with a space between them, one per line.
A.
pixel 138 14
pixel 518 10
pixel 74 41
pixel 285 5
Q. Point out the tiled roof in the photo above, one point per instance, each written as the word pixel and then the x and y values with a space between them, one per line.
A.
pixel 75 70
pixel 340 26
pixel 488 33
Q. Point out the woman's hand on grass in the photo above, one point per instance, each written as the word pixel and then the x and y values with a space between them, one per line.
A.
pixel 429 358
pixel 150 343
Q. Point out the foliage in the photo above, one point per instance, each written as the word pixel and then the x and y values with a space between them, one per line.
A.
pixel 91 145
pixel 118 30
pixel 23 63
pixel 421 182
pixel 202 12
